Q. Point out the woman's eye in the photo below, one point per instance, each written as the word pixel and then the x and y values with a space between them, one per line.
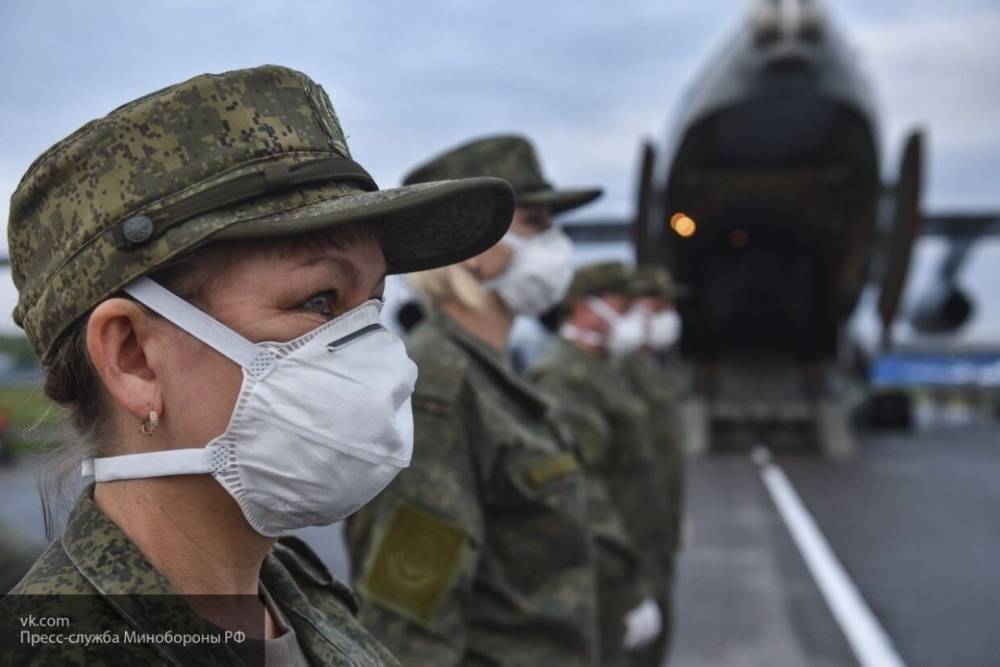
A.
pixel 322 303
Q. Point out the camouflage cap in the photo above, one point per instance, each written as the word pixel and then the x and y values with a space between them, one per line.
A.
pixel 597 278
pixel 656 281
pixel 511 158
pixel 248 153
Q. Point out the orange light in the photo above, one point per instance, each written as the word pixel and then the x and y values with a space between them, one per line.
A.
pixel 683 224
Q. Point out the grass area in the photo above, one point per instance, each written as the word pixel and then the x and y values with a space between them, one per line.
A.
pixel 27 407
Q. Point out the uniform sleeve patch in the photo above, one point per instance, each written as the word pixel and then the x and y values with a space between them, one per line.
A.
pixel 415 564
pixel 552 468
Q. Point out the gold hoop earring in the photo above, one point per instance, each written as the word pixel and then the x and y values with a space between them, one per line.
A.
pixel 149 425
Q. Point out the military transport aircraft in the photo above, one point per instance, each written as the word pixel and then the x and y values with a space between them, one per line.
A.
pixel 767 201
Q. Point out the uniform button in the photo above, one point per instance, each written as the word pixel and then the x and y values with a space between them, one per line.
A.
pixel 137 229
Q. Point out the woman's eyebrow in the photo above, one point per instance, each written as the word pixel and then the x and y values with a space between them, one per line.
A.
pixel 341 267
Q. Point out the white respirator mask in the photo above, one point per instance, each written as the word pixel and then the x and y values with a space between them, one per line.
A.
pixel 585 336
pixel 628 331
pixel 664 329
pixel 539 273
pixel 321 425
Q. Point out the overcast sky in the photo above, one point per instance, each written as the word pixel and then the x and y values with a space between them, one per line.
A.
pixel 586 80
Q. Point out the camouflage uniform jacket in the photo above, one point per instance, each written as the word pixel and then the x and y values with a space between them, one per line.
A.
pixel 621 585
pixel 628 464
pixel 479 552
pixel 658 387
pixel 103 577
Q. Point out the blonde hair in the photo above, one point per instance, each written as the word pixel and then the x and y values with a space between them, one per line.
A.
pixel 448 283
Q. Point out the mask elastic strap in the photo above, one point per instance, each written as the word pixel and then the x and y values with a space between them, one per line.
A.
pixel 201 325
pixel 573 332
pixel 168 462
pixel 606 312
pixel 255 360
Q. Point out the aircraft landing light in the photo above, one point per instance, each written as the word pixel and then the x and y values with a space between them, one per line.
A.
pixel 683 224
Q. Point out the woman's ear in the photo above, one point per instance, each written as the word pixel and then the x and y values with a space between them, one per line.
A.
pixel 119 333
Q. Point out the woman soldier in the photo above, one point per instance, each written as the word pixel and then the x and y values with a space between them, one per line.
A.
pixel 479 553
pixel 200 272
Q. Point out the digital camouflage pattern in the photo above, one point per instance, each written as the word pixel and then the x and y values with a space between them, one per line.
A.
pixel 95 559
pixel 479 552
pixel 510 157
pixel 621 583
pixel 629 469
pixel 247 153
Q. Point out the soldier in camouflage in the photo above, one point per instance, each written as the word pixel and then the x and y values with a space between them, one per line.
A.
pixel 580 370
pixel 238 193
pixel 659 386
pixel 479 553
pixel 621 581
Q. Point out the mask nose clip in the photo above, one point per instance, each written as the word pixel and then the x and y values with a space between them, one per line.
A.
pixel 354 336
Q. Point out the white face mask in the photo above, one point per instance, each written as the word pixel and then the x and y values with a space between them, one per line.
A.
pixel 539 273
pixel 321 425
pixel 664 329
pixel 628 331
pixel 585 336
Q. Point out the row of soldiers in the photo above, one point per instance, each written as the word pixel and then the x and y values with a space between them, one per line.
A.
pixel 540 519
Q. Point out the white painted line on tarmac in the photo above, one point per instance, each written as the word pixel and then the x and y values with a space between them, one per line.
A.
pixel 868 640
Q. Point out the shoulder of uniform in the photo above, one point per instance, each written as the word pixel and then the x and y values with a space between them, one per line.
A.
pixel 307 568
pixel 53 574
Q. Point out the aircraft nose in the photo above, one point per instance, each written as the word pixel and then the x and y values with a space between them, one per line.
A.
pixel 789 57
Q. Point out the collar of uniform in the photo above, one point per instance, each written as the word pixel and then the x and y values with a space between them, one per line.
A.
pixel 91 540
pixel 316 630
pixel 112 563
pixel 496 362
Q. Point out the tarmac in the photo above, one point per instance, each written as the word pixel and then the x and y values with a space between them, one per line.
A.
pixel 913 523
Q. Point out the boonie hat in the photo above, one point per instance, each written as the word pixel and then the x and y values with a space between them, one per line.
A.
pixel 656 281
pixel 596 278
pixel 510 157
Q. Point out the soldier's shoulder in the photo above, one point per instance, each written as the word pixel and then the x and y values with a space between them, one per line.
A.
pixel 54 588
pixel 53 574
